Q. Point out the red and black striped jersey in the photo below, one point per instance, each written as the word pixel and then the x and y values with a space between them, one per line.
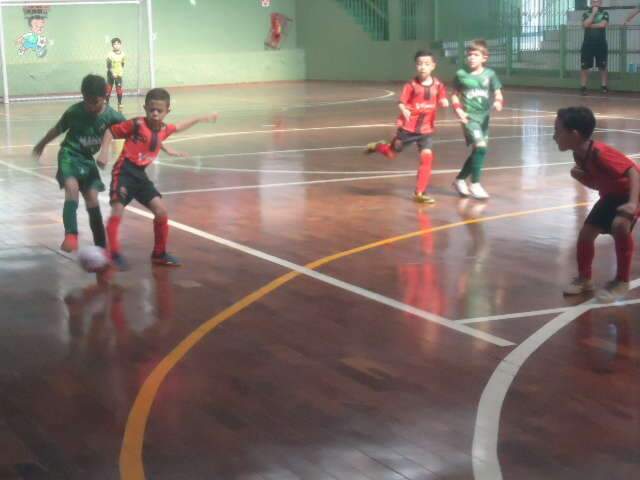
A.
pixel 423 101
pixel 142 144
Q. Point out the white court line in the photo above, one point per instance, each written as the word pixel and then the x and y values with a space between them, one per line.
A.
pixel 535 313
pixel 319 172
pixel 287 184
pixel 390 302
pixel 484 454
pixel 184 138
pixel 351 179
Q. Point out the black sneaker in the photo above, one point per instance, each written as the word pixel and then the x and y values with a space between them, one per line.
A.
pixel 165 259
pixel 583 91
pixel 118 261
pixel 604 89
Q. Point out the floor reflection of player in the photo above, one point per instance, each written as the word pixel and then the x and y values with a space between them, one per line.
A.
pixel 421 281
pixel 605 340
pixel 473 286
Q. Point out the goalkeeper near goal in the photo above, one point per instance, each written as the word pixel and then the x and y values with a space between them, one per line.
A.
pixel 115 69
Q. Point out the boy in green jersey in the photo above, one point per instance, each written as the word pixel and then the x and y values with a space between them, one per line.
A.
pixel 85 123
pixel 473 87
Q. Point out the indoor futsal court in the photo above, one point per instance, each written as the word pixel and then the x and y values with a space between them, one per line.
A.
pixel 323 325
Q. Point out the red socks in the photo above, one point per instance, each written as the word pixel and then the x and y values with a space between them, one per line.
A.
pixel 113 226
pixel 586 252
pixel 161 233
pixel 386 150
pixel 624 252
pixel 424 171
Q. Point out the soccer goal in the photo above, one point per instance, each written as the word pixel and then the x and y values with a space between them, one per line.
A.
pixel 47 47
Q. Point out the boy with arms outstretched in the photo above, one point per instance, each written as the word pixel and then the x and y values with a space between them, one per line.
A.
pixel 143 140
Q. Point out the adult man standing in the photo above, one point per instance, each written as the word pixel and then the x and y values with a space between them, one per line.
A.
pixel 594 46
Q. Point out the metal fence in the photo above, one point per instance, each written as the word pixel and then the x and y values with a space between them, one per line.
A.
pixel 373 15
pixel 558 51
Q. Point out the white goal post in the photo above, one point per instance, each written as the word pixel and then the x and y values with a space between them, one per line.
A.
pixel 48 46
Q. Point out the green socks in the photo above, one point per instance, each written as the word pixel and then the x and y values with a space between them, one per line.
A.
pixel 473 165
pixel 97 227
pixel 70 216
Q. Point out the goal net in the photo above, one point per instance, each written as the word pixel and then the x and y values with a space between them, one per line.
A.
pixel 47 47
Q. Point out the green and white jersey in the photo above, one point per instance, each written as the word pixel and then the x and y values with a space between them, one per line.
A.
pixel 595 35
pixel 476 91
pixel 85 131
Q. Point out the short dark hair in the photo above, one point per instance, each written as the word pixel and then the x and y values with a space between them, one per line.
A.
pixel 479 45
pixel 34 17
pixel 93 86
pixel 580 119
pixel 157 94
pixel 424 53
pixel 115 39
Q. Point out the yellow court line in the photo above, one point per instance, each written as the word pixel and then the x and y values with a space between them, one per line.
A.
pixel 131 463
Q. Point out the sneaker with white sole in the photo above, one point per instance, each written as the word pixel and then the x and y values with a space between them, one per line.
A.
pixel 612 291
pixel 578 286
pixel 478 192
pixel 461 187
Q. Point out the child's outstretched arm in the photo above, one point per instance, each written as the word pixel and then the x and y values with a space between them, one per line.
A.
pixel 39 147
pixel 498 100
pixel 211 117
pixel 105 149
pixel 457 107
pixel 173 153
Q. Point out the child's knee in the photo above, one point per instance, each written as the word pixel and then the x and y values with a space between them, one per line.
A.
pixel 620 227
pixel 397 145
pixel 480 145
pixel 426 151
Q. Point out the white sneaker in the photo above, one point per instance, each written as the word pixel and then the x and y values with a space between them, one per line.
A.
pixel 614 290
pixel 461 187
pixel 578 285
pixel 478 192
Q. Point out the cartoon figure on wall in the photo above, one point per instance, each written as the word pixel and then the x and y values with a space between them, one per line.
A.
pixel 34 40
pixel 278 29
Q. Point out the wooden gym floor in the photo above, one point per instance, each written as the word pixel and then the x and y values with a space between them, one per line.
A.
pixel 323 325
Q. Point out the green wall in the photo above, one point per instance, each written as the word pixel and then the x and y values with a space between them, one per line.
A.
pixel 213 41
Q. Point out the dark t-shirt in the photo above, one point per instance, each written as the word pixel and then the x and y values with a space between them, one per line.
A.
pixel 595 35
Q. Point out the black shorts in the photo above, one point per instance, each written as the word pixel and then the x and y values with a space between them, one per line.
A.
pixel 605 211
pixel 404 137
pixel 594 53
pixel 129 182
pixel 114 80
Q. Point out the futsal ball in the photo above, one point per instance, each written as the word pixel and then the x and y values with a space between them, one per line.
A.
pixel 93 259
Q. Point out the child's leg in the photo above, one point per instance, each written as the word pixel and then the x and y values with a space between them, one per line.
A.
pixel 95 217
pixel 110 81
pixel 113 227
pixel 160 225
pixel 477 161
pixel 424 170
pixel 621 232
pixel 70 214
pixel 118 82
pixel 586 249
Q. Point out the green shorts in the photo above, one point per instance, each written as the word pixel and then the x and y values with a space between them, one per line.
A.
pixel 476 131
pixel 83 169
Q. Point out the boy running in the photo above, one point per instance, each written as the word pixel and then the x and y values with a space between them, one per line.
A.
pixel 419 102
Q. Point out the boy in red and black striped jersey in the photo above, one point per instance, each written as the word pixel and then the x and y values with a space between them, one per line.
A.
pixel 419 102
pixel 143 141
pixel 617 179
